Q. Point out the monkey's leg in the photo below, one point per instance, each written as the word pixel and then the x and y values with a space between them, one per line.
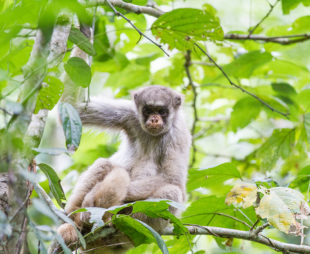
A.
pixel 168 191
pixel 95 173
pixel 111 191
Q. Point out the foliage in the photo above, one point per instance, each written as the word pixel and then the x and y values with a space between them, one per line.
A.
pixel 247 101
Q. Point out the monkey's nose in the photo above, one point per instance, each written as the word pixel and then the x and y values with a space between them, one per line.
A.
pixel 154 120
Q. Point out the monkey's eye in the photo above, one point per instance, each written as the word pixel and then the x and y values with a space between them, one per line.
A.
pixel 163 112
pixel 146 111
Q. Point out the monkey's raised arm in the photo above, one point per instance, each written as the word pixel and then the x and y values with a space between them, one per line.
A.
pixel 107 113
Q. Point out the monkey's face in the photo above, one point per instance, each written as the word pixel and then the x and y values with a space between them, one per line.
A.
pixel 155 119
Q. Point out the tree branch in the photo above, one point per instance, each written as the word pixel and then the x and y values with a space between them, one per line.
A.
pixel 138 9
pixel 283 39
pixel 191 84
pixel 246 235
pixel 251 31
pixel 117 13
pixel 239 87
pixel 155 12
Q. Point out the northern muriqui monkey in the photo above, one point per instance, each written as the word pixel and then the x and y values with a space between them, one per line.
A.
pixel 150 163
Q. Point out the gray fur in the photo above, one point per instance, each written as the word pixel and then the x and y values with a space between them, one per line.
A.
pixel 148 166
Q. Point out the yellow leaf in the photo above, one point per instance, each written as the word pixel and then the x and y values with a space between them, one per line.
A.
pixel 242 194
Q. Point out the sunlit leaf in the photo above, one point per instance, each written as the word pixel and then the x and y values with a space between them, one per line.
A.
pixel 279 145
pixel 50 93
pixel 280 206
pixel 180 28
pixel 244 194
pixel 218 174
pixel 244 111
pixel 78 71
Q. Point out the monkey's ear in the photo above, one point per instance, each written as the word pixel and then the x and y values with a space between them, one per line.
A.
pixel 177 101
pixel 134 96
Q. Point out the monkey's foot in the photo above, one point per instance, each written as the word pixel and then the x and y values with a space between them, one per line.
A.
pixel 68 233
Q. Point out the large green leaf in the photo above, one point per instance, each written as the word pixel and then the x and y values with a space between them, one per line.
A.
pixel 54 183
pixel 288 5
pixel 244 65
pixel 180 28
pixel 244 111
pixel 160 242
pixel 138 233
pixel 278 145
pixel 78 71
pixel 217 175
pixel 49 94
pixel 78 38
pixel 71 124
pixel 212 211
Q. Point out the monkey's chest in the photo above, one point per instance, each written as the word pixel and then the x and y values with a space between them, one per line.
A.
pixel 143 168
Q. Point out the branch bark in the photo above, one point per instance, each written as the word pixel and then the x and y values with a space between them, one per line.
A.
pixel 246 235
pixel 138 9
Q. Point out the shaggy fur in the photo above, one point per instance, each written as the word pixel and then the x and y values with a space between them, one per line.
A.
pixel 145 166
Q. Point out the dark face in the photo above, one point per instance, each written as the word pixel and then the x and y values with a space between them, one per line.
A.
pixel 155 118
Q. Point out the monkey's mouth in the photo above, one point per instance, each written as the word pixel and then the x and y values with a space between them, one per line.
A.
pixel 154 129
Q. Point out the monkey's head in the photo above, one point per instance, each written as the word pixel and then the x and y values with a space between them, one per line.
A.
pixel 157 107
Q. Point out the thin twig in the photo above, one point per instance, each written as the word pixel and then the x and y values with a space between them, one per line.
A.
pixel 281 39
pixel 25 202
pixel 239 87
pixel 117 13
pixel 221 214
pixel 251 31
pixel 255 224
pixel 191 84
pixel 260 229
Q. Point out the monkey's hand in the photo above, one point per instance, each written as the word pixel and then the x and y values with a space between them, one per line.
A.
pixel 143 188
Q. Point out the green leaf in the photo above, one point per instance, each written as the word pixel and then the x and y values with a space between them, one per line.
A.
pixel 244 111
pixel 133 229
pixel 54 183
pixel 278 145
pixel 78 71
pixel 71 124
pixel 302 179
pixel 307 125
pixel 244 65
pixel 288 5
pixel 132 76
pixel 216 175
pixel 160 242
pixel 78 38
pixel 284 89
pixel 49 94
pixel 202 213
pixel 181 28
pixel 157 208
